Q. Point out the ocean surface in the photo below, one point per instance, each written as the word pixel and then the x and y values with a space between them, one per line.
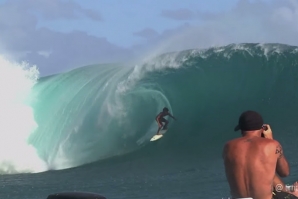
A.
pixel 89 129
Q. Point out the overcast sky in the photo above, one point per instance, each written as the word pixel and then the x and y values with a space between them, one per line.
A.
pixel 58 35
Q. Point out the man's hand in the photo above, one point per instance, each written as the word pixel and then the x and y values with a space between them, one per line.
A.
pixel 268 133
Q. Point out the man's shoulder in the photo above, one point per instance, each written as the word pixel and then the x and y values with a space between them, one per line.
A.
pixel 233 141
pixel 267 141
pixel 271 143
pixel 264 141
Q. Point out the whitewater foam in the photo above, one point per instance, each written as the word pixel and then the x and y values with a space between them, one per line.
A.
pixel 17 118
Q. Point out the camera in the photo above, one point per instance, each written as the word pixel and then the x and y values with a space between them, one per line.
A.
pixel 265 127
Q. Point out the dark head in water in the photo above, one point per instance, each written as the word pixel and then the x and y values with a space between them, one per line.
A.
pixel 165 110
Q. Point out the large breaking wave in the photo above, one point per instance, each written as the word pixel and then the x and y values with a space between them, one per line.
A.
pixel 100 111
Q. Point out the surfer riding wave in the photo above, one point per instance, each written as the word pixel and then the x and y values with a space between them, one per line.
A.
pixel 160 119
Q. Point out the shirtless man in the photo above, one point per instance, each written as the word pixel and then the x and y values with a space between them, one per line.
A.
pixel 254 161
pixel 160 119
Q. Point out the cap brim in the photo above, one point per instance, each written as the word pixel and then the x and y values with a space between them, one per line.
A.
pixel 237 128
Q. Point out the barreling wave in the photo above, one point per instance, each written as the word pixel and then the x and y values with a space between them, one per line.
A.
pixel 100 111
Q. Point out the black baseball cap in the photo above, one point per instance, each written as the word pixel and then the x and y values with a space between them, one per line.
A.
pixel 249 121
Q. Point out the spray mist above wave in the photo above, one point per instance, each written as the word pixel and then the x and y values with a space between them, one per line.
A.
pixel 17 119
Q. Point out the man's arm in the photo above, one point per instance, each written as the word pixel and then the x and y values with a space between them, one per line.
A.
pixel 172 116
pixel 282 165
pixel 277 182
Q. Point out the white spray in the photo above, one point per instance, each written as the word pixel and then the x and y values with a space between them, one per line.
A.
pixel 17 119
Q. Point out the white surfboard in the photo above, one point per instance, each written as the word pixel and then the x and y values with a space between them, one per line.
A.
pixel 157 137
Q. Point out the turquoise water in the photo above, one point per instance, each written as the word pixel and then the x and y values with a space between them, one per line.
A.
pixel 104 115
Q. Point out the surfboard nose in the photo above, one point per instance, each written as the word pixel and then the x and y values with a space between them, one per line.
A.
pixel 75 195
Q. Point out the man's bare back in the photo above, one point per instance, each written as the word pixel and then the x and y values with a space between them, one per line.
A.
pixel 250 166
pixel 252 161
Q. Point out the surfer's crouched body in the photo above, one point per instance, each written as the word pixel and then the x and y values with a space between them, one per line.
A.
pixel 160 119
pixel 254 162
